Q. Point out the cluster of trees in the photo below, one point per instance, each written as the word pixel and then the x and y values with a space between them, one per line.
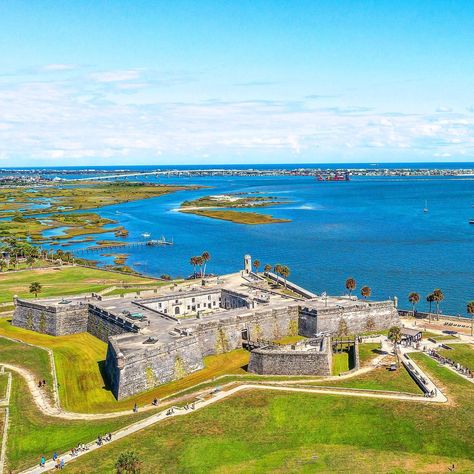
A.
pixel 200 262
pixel 280 270
pixel 21 251
pixel 351 285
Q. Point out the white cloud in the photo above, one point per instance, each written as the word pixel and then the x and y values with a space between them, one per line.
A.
pixel 98 116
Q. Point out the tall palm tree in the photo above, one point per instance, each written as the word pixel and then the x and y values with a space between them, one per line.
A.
pixel 277 270
pixel 470 310
pixel 395 335
pixel 350 285
pixel 285 272
pixel 3 264
pixel 414 299
pixel 366 292
pixel 438 296
pixel 199 263
pixel 256 264
pixel 206 256
pixel 35 287
pixel 267 268
pixel 192 261
pixel 430 299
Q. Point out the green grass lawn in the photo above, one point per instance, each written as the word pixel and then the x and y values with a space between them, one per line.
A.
pixel 32 434
pixel 367 352
pixel 379 379
pixel 3 386
pixel 340 363
pixel 461 353
pixel 262 432
pixel 32 358
pixel 439 337
pixel 62 281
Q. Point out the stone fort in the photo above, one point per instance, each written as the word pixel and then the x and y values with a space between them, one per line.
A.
pixel 163 335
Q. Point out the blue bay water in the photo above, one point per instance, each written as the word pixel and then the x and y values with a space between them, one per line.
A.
pixel 372 229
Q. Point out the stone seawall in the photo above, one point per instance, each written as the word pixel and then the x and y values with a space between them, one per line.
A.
pixel 50 319
pixel 357 318
pixel 274 361
pixel 150 365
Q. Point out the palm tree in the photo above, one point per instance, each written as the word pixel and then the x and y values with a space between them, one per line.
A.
pixel 414 299
pixel 277 270
pixel 30 260
pixel 3 264
pixel 430 299
pixel 285 272
pixel 350 285
pixel 256 264
pixel 395 335
pixel 470 310
pixel 438 296
pixel 192 261
pixel 366 292
pixel 199 263
pixel 13 261
pixel 267 268
pixel 128 463
pixel 35 287
pixel 206 256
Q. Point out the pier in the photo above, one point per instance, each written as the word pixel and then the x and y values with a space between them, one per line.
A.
pixel 118 245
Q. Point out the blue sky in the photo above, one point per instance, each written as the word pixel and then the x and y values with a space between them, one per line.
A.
pixel 159 82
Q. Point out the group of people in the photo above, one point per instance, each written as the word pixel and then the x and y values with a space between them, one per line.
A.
pixel 41 383
pixel 80 447
pixel 102 439
pixel 58 463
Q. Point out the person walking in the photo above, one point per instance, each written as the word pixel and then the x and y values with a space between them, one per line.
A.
pixel 61 464
pixel 43 461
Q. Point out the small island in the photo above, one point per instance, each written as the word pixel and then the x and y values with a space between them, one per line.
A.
pixel 221 207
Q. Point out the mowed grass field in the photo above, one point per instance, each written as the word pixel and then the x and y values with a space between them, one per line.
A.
pixel 263 432
pixel 79 359
pixel 62 281
pixel 31 434
pixel 461 353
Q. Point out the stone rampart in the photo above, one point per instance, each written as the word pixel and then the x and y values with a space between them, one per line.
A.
pixel 55 320
pixel 227 333
pixel 150 365
pixel 357 318
pixel 273 360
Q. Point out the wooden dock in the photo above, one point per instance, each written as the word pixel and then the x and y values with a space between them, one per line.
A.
pixel 119 245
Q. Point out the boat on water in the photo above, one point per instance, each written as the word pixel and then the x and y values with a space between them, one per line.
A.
pixel 161 241
pixel 333 177
pixel 471 221
pixel 146 235
pixel 425 209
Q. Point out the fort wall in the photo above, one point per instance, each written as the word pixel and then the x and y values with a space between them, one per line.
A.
pixel 150 365
pixel 283 361
pixel 51 319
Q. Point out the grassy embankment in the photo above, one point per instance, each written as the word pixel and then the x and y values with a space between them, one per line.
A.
pixel 274 432
pixel 461 353
pixel 3 386
pixel 206 207
pixel 64 281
